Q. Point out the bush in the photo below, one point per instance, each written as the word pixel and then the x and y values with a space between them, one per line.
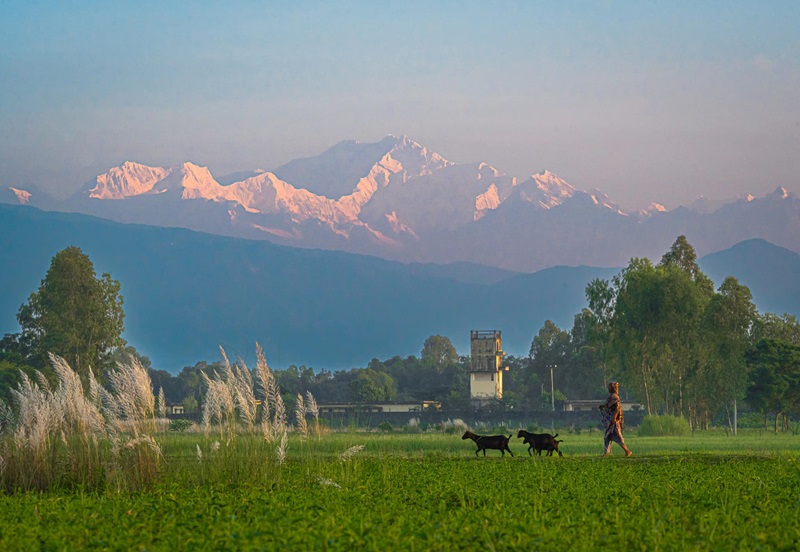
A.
pixel 664 426
pixel 751 420
pixel 385 426
pixel 180 424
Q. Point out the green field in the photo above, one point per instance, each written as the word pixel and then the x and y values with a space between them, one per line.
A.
pixel 427 491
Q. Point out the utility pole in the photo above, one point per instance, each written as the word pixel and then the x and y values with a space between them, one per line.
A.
pixel 552 390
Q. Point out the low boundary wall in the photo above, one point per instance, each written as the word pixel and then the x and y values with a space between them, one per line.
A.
pixel 511 420
pixel 541 419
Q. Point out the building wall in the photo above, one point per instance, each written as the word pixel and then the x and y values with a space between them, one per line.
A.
pixel 483 384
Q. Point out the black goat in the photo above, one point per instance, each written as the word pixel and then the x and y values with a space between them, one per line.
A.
pixel 539 442
pixel 497 442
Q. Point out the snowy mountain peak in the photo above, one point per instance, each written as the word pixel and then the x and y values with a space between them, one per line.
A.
pixel 196 182
pixel 553 185
pixel 545 190
pixel 23 196
pixel 416 158
pixel 129 179
pixel 780 193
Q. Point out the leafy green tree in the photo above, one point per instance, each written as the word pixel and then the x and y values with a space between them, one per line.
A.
pixel 438 351
pixel 722 376
pixel 123 354
pixel 372 386
pixel 550 353
pixel 645 324
pixel 550 347
pixel 775 379
pixel 771 326
pixel 74 314
pixel 585 377
pixel 598 323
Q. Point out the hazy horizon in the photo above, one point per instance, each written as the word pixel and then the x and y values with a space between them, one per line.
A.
pixel 648 102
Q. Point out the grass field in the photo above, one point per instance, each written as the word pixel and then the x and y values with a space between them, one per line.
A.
pixel 427 491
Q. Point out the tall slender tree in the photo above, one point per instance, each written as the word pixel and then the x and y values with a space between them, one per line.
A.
pixel 74 314
pixel 722 376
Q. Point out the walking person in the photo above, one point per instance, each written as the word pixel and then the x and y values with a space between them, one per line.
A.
pixel 613 420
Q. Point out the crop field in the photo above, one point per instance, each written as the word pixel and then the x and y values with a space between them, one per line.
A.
pixel 428 491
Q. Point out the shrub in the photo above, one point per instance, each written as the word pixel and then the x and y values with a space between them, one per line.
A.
pixel 180 425
pixel 664 426
pixel 385 426
pixel 751 420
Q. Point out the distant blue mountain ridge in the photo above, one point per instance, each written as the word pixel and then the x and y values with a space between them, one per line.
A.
pixel 187 293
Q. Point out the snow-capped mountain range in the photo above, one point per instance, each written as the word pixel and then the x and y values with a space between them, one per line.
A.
pixel 396 199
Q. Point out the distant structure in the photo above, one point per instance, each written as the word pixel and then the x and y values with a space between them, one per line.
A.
pixel 486 367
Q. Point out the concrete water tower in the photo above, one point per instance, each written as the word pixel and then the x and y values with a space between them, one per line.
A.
pixel 486 367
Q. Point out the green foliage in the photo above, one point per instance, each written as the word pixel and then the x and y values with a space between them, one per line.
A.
pixel 782 328
pixel 385 427
pixel 180 425
pixel 73 315
pixel 775 379
pixel 664 426
pixel 577 370
pixel 432 494
pixel 11 375
pixel 372 386
pixel 438 352
pixel 676 344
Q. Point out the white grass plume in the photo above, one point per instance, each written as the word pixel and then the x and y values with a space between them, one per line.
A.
pixel 264 376
pixel 350 453
pixel 280 452
pixel 244 392
pixel 263 373
pixel 300 415
pixel 279 416
pixel 162 403
pixel 325 482
pixel 7 418
pixel 133 398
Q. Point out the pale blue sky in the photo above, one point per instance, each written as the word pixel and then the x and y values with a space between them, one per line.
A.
pixel 647 101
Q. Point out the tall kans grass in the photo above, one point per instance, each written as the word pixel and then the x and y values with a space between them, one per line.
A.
pixel 245 424
pixel 68 436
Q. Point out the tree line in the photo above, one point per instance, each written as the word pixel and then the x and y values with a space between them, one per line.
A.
pixel 679 346
pixel 686 349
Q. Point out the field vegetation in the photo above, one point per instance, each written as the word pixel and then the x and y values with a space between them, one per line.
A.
pixel 238 481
